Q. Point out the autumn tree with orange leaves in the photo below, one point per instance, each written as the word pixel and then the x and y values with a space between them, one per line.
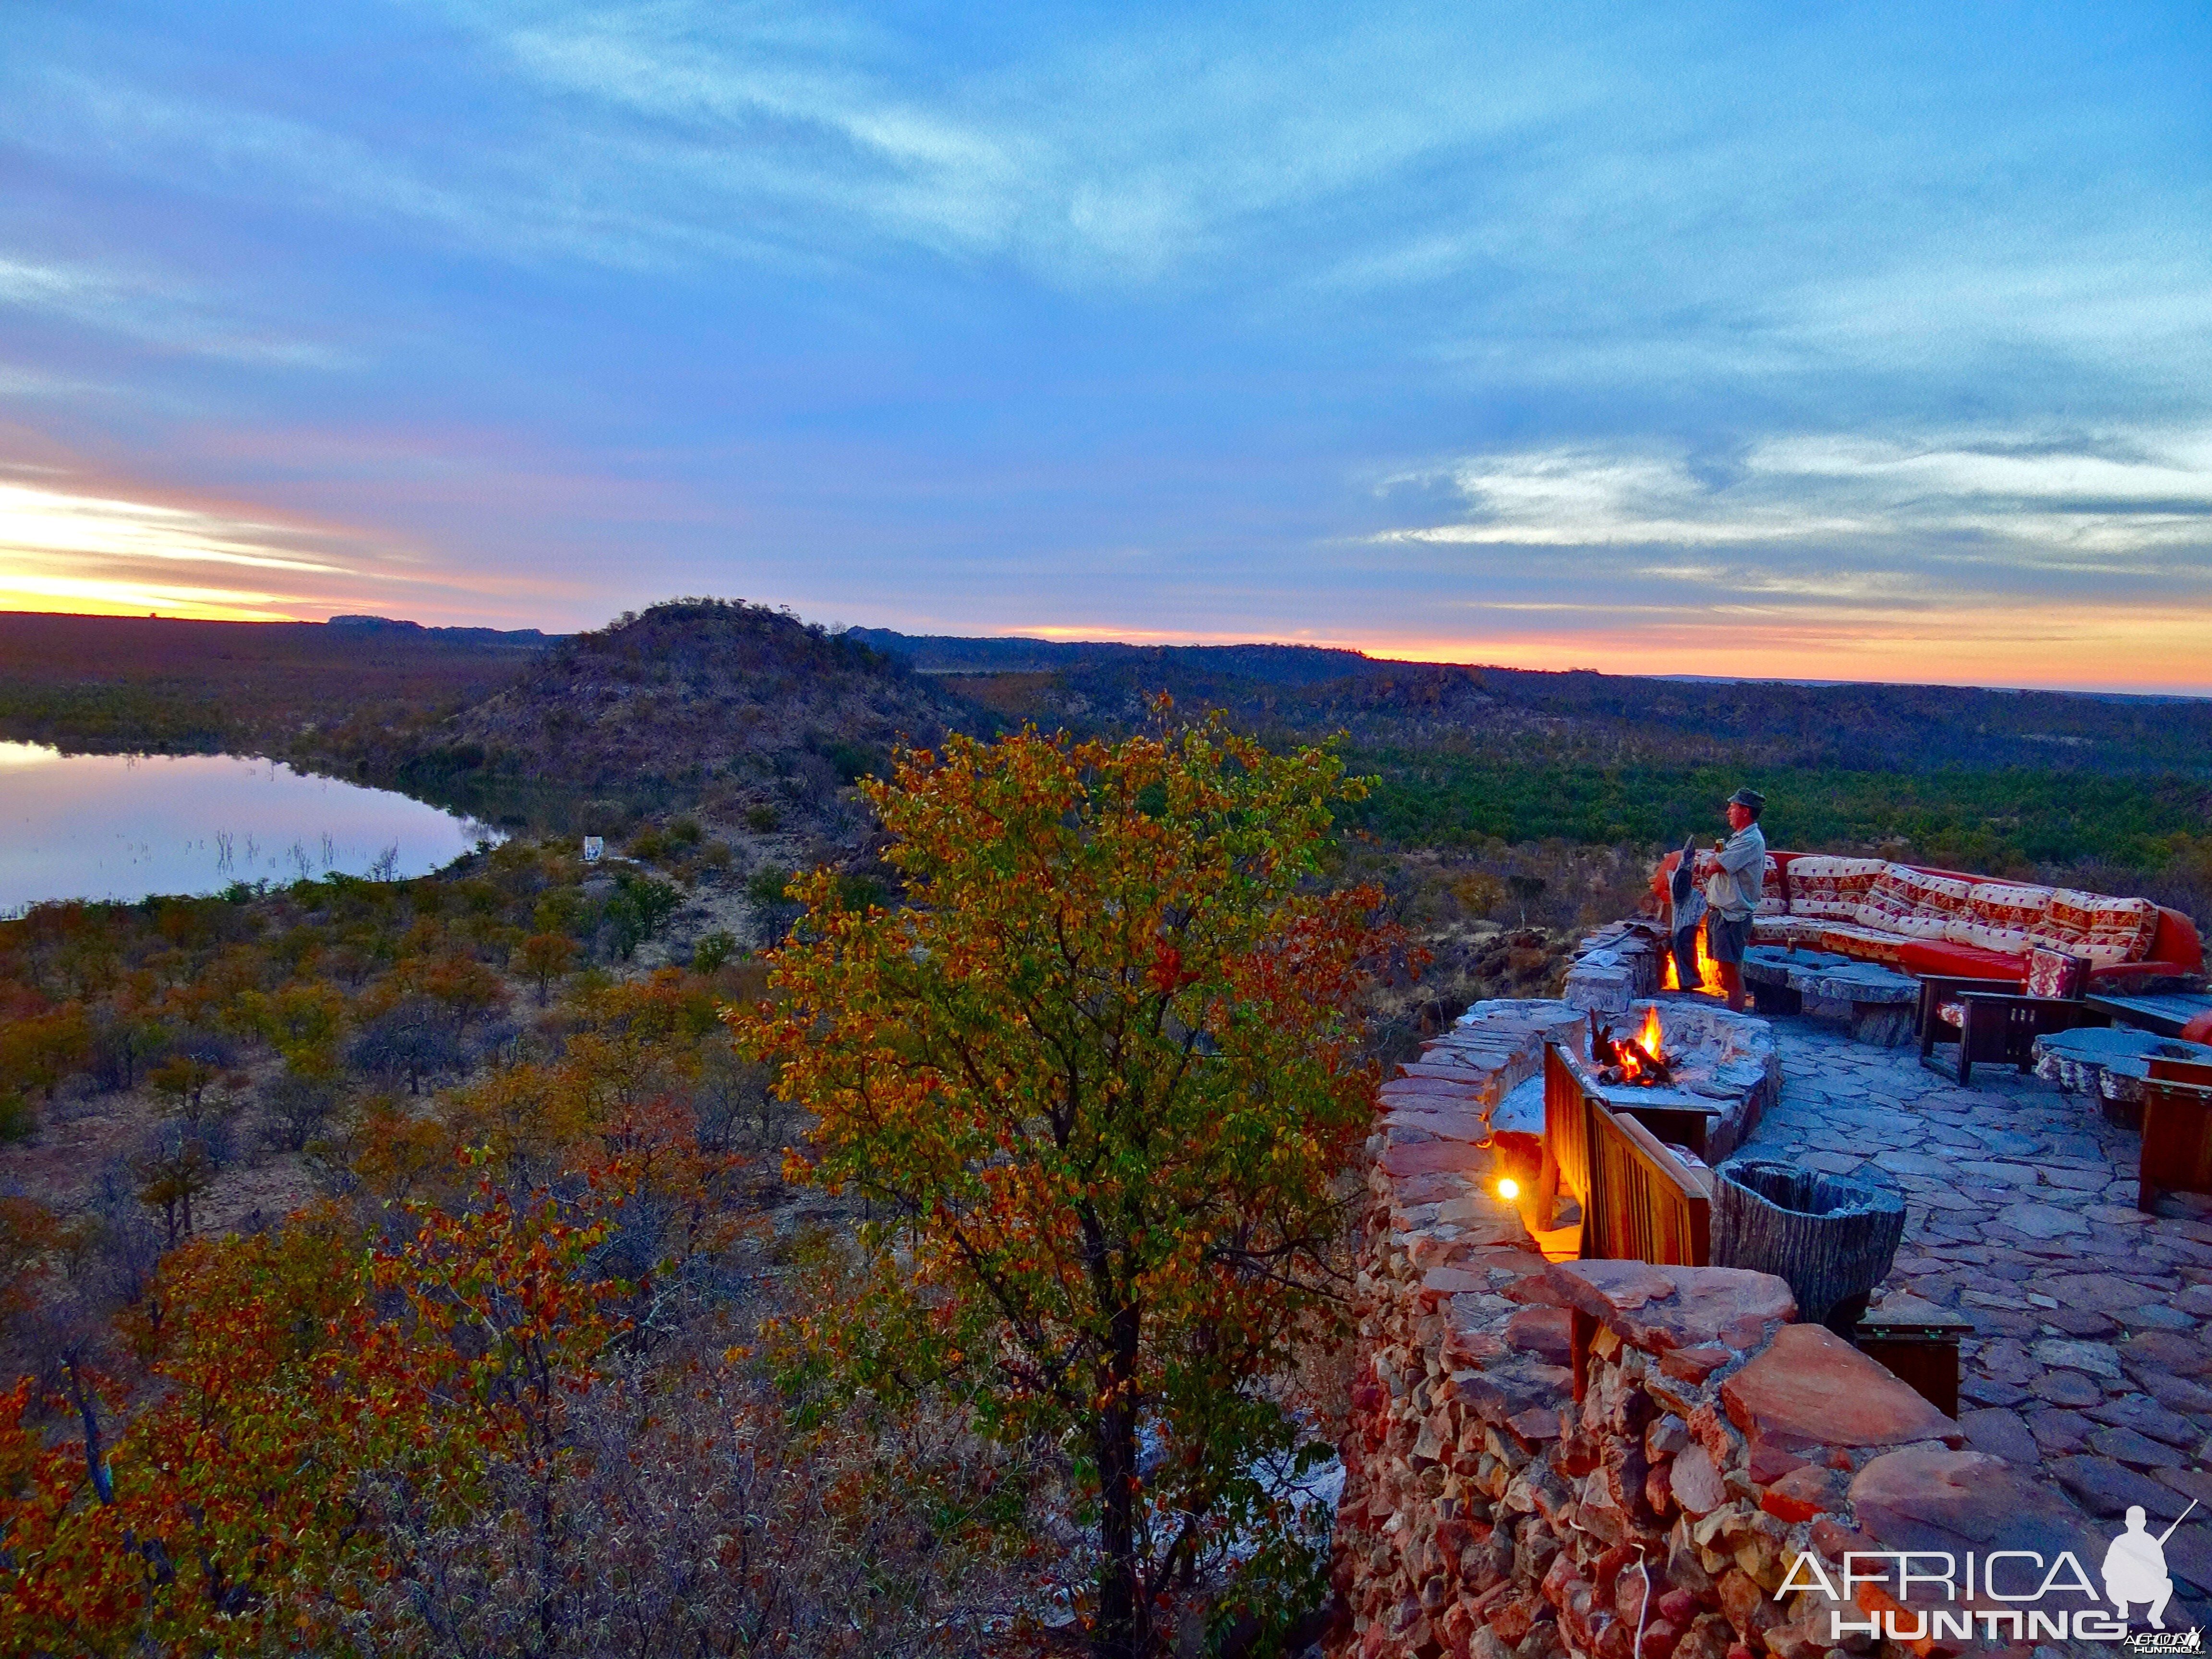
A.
pixel 1099 1074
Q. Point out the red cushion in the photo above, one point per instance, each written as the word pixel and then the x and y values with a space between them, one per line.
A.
pixel 1953 1013
pixel 1947 961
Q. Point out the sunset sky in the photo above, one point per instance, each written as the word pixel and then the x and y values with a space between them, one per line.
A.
pixel 1824 342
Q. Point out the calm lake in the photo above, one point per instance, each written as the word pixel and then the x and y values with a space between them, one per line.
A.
pixel 124 826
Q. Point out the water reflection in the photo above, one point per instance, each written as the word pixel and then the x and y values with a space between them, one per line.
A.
pixel 124 826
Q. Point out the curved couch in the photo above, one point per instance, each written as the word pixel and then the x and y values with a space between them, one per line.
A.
pixel 1924 920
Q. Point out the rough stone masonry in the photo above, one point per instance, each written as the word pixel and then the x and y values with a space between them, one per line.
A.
pixel 1615 1459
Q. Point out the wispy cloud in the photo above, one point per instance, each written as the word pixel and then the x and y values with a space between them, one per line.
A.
pixel 677 134
pixel 162 311
pixel 2139 503
pixel 49 524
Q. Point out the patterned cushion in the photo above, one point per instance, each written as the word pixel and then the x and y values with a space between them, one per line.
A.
pixel 1890 895
pixel 2013 907
pixel 2000 916
pixel 2065 920
pixel 1773 900
pixel 2109 931
pixel 1821 885
pixel 1922 924
pixel 1899 891
pixel 1867 944
pixel 2055 973
pixel 1965 930
pixel 1941 895
pixel 1785 930
pixel 1952 1014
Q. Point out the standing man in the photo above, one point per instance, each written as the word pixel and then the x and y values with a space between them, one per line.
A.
pixel 1733 891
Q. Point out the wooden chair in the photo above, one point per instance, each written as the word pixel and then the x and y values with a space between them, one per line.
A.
pixel 2176 1136
pixel 1640 1202
pixel 1990 1020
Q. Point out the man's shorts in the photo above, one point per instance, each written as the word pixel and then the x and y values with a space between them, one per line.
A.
pixel 1727 939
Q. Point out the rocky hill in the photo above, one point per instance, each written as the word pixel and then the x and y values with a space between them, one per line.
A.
pixel 697 703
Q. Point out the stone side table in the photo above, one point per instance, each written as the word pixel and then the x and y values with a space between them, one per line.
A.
pixel 1881 1003
pixel 1878 1003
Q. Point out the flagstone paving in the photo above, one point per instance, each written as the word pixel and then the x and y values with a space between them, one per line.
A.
pixel 2090 1359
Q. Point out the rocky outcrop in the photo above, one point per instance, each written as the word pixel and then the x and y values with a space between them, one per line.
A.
pixel 708 698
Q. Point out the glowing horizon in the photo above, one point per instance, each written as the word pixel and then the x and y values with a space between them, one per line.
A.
pixel 1592 654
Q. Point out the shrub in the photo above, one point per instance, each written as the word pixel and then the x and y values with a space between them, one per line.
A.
pixel 713 949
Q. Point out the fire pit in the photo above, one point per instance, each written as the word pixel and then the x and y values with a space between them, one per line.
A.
pixel 1640 1059
pixel 1693 1073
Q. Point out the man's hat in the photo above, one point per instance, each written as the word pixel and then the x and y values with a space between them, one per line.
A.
pixel 1750 798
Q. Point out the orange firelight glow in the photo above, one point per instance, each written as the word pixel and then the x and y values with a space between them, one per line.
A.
pixel 1709 976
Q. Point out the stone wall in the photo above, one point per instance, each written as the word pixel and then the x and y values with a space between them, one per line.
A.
pixel 1617 963
pixel 1493 1506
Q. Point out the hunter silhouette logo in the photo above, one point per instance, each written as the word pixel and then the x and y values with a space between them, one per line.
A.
pixel 2030 1594
pixel 2135 1567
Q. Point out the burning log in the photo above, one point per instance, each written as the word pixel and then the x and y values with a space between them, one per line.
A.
pixel 1641 1066
pixel 1603 1052
pixel 1639 1060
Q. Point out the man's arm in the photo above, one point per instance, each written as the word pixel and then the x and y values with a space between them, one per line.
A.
pixel 1742 854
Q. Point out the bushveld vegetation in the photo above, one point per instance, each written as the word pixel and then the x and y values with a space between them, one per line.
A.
pixel 470 1390
pixel 747 715
pixel 421 1267
pixel 364 694
pixel 546 1357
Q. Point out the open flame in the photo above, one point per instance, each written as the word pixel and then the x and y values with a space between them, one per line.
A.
pixel 1708 974
pixel 1645 1051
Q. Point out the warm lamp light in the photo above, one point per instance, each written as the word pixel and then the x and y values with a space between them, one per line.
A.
pixel 1509 1187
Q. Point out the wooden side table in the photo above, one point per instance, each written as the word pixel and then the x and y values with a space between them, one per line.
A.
pixel 1918 1342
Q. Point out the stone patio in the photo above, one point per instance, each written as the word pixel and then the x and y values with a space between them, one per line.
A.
pixel 2090 1360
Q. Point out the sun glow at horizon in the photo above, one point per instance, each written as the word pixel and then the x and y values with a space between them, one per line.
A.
pixel 2154 650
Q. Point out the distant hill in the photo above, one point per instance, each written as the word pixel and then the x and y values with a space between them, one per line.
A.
pixel 1523 715
pixel 168 685
pixel 495 636
pixel 1266 664
pixel 698 701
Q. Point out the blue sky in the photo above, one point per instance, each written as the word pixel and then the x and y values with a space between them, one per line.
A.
pixel 1838 341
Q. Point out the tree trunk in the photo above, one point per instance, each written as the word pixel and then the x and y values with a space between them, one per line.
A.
pixel 95 1451
pixel 1124 1628
pixel 1833 1239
